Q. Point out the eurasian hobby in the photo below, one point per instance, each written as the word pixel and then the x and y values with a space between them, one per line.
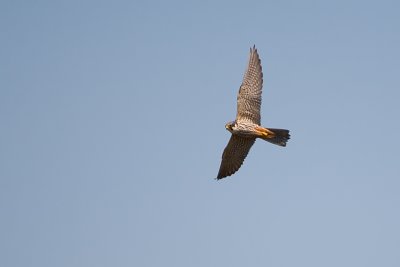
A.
pixel 247 126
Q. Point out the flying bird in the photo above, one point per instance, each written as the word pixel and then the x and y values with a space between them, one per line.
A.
pixel 246 128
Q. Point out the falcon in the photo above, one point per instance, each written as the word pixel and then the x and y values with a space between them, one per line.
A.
pixel 246 128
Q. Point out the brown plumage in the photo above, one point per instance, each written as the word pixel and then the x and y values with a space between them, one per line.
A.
pixel 247 126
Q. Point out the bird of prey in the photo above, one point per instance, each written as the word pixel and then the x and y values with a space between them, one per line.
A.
pixel 246 128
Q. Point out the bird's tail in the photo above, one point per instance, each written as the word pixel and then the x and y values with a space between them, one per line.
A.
pixel 278 137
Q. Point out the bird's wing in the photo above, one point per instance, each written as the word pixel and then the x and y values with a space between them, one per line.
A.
pixel 249 96
pixel 234 154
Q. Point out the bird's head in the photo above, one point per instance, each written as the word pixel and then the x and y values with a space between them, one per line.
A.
pixel 229 126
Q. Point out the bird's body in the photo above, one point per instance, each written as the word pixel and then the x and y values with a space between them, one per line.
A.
pixel 247 126
pixel 243 129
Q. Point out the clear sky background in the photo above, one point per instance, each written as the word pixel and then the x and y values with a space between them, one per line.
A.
pixel 112 119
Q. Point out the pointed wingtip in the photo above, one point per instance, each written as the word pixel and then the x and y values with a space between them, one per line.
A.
pixel 253 49
pixel 219 177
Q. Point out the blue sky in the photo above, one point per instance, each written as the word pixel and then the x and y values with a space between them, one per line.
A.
pixel 112 128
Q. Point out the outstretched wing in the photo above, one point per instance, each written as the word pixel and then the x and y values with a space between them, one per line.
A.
pixel 249 97
pixel 234 154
